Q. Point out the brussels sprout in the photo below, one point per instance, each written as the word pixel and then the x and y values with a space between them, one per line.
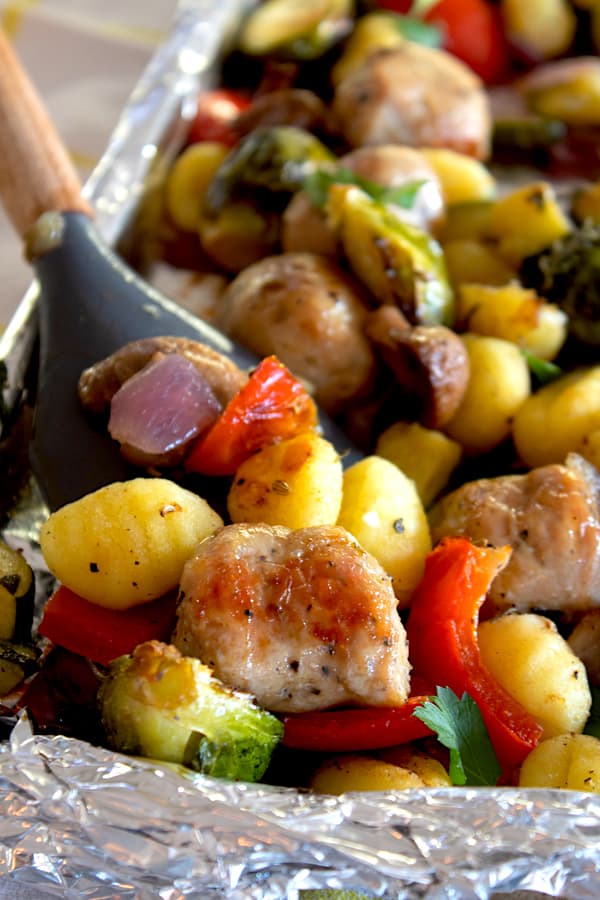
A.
pixel 273 158
pixel 296 31
pixel 568 273
pixel 160 704
pixel 398 263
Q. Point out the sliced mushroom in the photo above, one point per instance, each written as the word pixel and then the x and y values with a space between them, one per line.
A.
pixel 429 362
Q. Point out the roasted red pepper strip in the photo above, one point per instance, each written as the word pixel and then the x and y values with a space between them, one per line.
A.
pixel 442 637
pixel 102 634
pixel 273 405
pixel 346 730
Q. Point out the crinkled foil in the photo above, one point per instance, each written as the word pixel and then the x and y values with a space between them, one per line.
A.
pixel 77 820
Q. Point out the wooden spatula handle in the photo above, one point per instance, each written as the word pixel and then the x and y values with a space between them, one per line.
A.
pixel 36 173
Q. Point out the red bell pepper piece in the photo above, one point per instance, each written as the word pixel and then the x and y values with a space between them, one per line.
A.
pixel 442 637
pixel 349 730
pixel 273 405
pixel 102 634
pixel 472 30
pixel 215 112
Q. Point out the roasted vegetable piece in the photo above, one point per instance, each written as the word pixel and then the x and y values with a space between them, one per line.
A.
pixel 398 263
pixel 17 590
pixel 102 634
pixel 568 273
pixel 442 634
pixel 293 30
pixel 347 730
pixel 275 158
pixel 17 661
pixel 160 704
pixel 272 406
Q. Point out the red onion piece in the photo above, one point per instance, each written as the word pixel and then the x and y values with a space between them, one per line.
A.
pixel 161 409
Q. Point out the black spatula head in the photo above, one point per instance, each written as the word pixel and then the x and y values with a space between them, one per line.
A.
pixel 91 304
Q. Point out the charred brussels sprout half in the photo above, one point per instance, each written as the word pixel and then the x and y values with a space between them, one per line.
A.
pixel 274 159
pixel 398 263
pixel 568 273
pixel 160 704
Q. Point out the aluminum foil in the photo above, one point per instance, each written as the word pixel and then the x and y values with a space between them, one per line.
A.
pixel 78 820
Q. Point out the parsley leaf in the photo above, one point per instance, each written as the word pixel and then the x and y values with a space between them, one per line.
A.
pixel 593 723
pixel 317 185
pixel 419 32
pixel 460 727
pixel 541 369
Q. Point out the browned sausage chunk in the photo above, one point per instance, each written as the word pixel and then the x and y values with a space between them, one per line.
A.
pixel 306 311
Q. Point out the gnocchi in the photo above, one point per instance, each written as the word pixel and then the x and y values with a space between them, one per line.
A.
pixel 391 524
pixel 126 543
pixel 499 385
pixel 526 654
pixel 353 772
pixel 569 761
pixel 296 482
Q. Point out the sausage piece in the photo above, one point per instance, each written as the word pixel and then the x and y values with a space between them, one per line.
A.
pixel 305 310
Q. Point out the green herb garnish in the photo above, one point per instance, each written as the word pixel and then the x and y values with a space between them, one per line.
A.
pixel 419 32
pixel 541 369
pixel 317 186
pixel 460 727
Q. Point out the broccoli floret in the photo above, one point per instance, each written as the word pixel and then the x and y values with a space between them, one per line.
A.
pixel 157 703
pixel 568 273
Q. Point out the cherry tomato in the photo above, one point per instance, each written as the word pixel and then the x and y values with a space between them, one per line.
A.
pixel 214 116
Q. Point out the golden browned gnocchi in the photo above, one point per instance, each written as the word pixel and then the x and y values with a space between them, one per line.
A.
pixel 354 772
pixel 528 656
pixel 424 454
pixel 389 523
pixel 498 386
pixel 569 761
pixel 566 412
pixel 296 482
pixel 515 314
pixel 126 543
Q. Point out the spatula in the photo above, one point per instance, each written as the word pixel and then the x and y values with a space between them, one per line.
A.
pixel 90 302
